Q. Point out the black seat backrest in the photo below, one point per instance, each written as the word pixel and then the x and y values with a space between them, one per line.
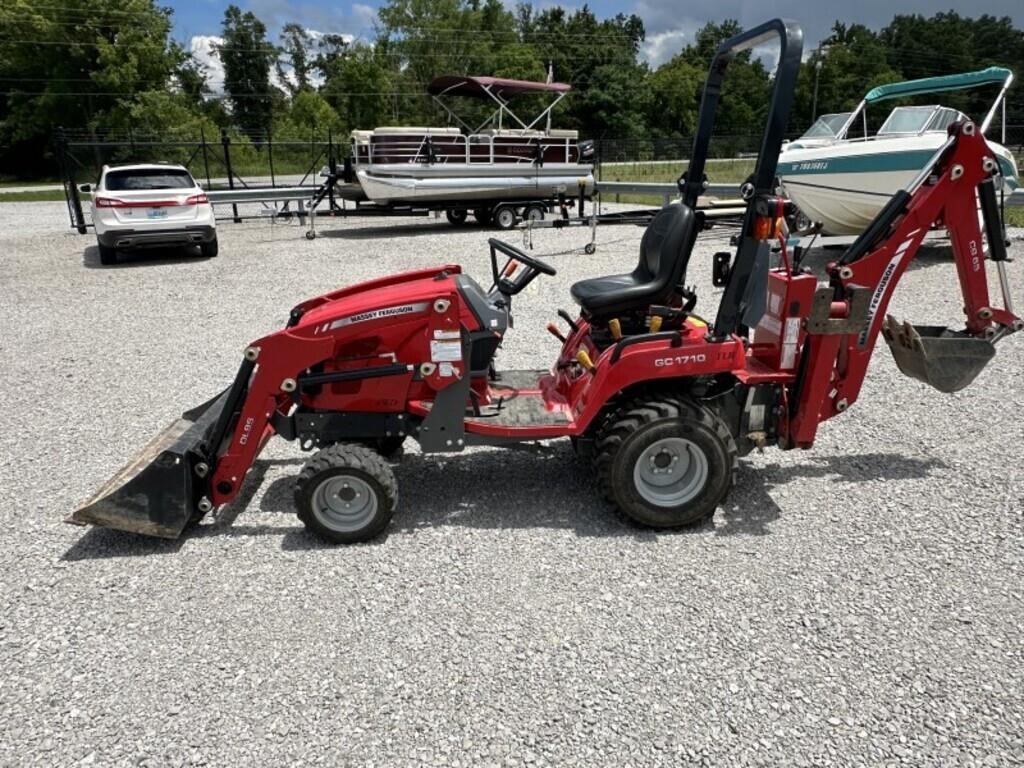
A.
pixel 665 249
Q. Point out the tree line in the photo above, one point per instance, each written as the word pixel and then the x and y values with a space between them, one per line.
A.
pixel 111 68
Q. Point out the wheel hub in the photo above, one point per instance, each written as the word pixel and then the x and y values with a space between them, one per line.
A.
pixel 670 472
pixel 344 503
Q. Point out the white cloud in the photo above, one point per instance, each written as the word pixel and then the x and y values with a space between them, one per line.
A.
pixel 202 48
pixel 662 46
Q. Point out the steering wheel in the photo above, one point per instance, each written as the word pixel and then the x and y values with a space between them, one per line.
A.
pixel 534 267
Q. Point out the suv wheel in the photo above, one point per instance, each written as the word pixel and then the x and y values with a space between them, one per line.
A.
pixel 108 255
pixel 209 249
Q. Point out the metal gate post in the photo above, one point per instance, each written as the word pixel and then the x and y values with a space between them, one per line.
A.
pixel 71 196
pixel 206 160
pixel 225 141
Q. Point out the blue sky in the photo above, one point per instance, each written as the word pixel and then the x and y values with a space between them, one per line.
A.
pixel 670 24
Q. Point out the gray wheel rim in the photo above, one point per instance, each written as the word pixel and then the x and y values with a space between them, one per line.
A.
pixel 670 472
pixel 344 503
pixel 535 214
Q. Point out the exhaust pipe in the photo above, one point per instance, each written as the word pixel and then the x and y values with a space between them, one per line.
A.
pixel 166 485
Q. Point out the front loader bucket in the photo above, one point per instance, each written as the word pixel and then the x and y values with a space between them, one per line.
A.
pixel 947 360
pixel 158 492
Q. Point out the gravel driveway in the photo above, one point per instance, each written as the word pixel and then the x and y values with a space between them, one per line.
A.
pixel 856 604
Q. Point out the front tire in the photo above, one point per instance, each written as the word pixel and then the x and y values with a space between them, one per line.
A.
pixel 665 462
pixel 346 493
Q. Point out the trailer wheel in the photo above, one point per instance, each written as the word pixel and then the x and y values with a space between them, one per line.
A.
pixel 589 249
pixel 456 216
pixel 534 212
pixel 108 255
pixel 346 493
pixel 665 462
pixel 482 215
pixel 504 217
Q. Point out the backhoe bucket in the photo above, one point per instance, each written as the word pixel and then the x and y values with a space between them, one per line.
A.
pixel 158 492
pixel 947 360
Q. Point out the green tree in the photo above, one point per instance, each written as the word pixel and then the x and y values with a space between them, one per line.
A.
pixel 247 56
pixel 676 88
pixel 357 86
pixel 99 58
pixel 948 43
pixel 846 65
pixel 599 59
pixel 296 44
pixel 746 91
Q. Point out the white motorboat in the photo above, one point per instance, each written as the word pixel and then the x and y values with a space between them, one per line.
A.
pixel 842 182
pixel 506 158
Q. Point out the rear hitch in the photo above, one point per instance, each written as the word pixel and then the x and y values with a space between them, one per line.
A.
pixel 945 359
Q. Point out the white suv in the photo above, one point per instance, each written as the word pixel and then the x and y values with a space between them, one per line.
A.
pixel 145 205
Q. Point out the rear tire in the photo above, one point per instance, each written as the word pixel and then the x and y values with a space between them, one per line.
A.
pixel 108 255
pixel 346 493
pixel 665 462
pixel 209 250
pixel 504 217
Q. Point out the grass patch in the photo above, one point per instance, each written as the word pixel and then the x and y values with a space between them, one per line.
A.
pixel 9 182
pixel 43 196
pixel 1014 216
pixel 718 171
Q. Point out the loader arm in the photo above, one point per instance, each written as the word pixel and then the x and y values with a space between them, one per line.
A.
pixel 948 192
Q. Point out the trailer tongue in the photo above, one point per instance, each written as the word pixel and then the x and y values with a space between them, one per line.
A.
pixel 664 401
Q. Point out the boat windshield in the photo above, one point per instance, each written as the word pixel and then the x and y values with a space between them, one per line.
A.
pixel 903 120
pixel 827 126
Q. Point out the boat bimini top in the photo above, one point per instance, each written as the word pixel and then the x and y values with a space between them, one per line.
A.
pixel 499 90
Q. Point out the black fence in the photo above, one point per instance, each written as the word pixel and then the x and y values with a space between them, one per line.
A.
pixel 223 161
pixel 231 160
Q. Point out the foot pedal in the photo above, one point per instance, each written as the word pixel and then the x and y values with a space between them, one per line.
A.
pixel 945 359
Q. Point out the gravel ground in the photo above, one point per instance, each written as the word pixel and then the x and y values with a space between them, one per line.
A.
pixel 857 604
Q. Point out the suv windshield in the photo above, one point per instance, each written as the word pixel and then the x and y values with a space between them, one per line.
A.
pixel 151 178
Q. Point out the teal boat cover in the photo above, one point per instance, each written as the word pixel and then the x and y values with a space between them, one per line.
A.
pixel 938 84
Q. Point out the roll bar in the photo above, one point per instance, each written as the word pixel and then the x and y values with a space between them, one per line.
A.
pixel 692 184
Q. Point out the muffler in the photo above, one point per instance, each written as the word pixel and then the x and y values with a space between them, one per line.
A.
pixel 945 359
pixel 166 485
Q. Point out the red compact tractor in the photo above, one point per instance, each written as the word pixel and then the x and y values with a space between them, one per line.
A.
pixel 664 401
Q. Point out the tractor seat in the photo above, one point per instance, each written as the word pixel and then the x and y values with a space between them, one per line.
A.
pixel 664 252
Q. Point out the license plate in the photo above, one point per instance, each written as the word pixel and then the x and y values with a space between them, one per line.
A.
pixel 156 213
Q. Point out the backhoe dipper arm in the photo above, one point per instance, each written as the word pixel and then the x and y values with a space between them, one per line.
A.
pixel 947 193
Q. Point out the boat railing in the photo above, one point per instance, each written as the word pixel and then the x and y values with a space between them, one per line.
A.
pixel 477 148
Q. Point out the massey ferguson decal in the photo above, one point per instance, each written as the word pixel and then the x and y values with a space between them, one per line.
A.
pixel 375 314
pixel 883 286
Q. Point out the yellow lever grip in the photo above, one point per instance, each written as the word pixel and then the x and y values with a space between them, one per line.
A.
pixel 583 358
